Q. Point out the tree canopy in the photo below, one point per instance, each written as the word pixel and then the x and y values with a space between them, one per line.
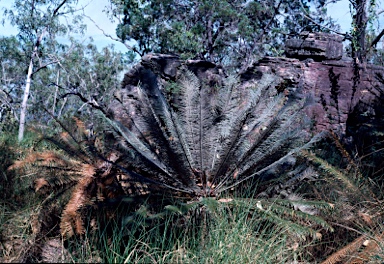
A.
pixel 39 72
pixel 227 32
pixel 232 33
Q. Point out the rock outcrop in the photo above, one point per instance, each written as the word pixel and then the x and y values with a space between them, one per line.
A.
pixel 318 46
pixel 314 67
pixel 155 69
pixel 336 86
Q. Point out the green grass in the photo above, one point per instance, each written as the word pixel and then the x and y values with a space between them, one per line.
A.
pixel 206 231
pixel 223 237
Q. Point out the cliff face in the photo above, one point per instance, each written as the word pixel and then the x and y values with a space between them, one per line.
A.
pixel 314 67
pixel 336 86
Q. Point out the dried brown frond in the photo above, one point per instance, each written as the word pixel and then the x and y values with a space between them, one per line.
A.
pixel 106 166
pixel 132 187
pixel 55 158
pixel 65 137
pixel 71 221
pixel 87 170
pixel 41 183
pixel 331 170
pixel 45 158
pixel 81 166
pixel 21 164
pixel 17 165
pixel 344 153
pixel 346 251
pixel 367 218
pixel 371 247
pixel 79 125
pixel 351 163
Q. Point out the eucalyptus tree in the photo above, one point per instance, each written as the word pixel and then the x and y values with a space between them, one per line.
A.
pixel 88 73
pixel 366 30
pixel 227 32
pixel 11 59
pixel 81 69
pixel 39 25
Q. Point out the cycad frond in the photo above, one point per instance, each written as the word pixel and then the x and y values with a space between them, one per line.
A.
pixel 278 212
pixel 215 138
pixel 283 212
pixel 71 221
pixel 78 163
pixel 346 251
pixel 332 171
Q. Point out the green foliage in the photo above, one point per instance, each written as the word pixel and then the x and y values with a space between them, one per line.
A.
pixel 84 70
pixel 12 186
pixel 180 239
pixel 32 18
pixel 58 70
pixel 226 32
pixel 12 77
pixel 366 31
pixel 9 154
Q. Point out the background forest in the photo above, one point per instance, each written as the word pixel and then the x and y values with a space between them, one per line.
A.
pixel 194 172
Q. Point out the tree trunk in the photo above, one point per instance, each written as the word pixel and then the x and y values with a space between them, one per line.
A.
pixel 23 111
pixel 360 20
pixel 56 92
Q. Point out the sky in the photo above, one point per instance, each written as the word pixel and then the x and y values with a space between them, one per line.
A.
pixel 95 11
pixel 339 11
pixel 94 8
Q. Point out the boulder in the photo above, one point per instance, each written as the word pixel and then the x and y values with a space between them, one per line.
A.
pixel 318 46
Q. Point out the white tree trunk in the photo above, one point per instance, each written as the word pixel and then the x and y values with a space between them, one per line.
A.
pixel 23 111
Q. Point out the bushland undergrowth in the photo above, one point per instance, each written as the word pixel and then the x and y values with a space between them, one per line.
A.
pixel 228 183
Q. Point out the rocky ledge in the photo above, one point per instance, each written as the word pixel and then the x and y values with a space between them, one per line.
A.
pixel 314 67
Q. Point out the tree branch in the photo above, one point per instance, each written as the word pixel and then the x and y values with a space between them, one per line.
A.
pixel 58 8
pixel 345 35
pixel 45 66
pixel 92 102
pixel 115 39
pixel 377 39
pixel 306 15
pixel 276 9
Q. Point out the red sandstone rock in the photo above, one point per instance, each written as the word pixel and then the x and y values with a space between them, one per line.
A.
pixel 309 77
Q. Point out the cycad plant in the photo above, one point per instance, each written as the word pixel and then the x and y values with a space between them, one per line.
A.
pixel 195 145
pixel 210 139
pixel 79 163
pixel 202 142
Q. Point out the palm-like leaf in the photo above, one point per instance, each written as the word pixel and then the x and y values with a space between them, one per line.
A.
pixel 215 138
pixel 78 162
pixel 212 140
